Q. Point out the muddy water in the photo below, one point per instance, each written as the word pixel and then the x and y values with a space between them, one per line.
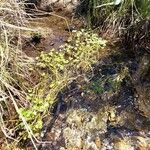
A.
pixel 94 115
pixel 54 31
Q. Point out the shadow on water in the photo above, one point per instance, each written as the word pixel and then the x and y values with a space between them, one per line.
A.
pixel 134 120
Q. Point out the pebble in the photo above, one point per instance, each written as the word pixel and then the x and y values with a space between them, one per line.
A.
pixel 123 145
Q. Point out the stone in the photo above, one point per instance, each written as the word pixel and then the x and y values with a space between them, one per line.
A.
pixel 143 143
pixel 123 145
pixel 98 143
pixel 65 5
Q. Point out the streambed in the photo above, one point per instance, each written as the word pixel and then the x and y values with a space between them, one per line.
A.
pixel 95 113
pixel 89 119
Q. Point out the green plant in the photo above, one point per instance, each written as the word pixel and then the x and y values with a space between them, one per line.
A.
pixel 56 69
pixel 144 8
pixel 14 67
pixel 108 83
pixel 117 17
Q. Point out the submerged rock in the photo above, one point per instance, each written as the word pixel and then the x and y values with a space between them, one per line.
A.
pixel 83 129
pixel 123 145
pixel 142 85
pixel 143 143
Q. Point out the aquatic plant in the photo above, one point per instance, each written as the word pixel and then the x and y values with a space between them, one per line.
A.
pixel 56 70
pixel 109 83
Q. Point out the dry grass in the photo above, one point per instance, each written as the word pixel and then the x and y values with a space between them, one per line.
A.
pixel 115 20
pixel 15 71
pixel 14 66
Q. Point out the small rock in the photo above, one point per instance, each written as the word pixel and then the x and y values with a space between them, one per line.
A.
pixel 112 116
pixel 98 143
pixel 62 148
pixel 123 145
pixel 143 143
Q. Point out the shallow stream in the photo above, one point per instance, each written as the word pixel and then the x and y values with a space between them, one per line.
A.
pixel 97 113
